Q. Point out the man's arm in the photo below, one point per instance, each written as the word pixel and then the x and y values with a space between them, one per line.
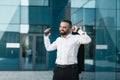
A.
pixel 82 37
pixel 48 45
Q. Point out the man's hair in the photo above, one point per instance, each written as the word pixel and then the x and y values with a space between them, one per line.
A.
pixel 68 21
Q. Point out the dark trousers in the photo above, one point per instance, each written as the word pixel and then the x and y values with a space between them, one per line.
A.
pixel 68 73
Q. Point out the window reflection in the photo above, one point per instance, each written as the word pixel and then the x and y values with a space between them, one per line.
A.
pixel 83 16
pixel 118 38
pixel 37 28
pixel 10 2
pixel 41 56
pixel 27 52
pixel 38 2
pixel 35 2
pixel 24 15
pixel 13 16
pixel 9 47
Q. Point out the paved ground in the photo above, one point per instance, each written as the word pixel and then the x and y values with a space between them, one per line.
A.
pixel 47 75
pixel 26 75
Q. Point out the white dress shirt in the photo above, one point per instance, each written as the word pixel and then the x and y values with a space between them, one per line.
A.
pixel 67 48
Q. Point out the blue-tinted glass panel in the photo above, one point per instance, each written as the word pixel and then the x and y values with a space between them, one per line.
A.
pixel 118 18
pixel 118 40
pixel 38 2
pixel 73 10
pixel 37 29
pixel 10 2
pixel 9 14
pixel 118 49
pixel 24 15
pixel 9 55
pixel 77 16
pixel 78 3
pixel 88 22
pixel 39 15
pixel 9 28
pixel 106 4
pixel 27 52
pixel 89 16
pixel 118 4
pixel 105 57
pixel 106 18
pixel 118 76
pixel 105 76
pixel 41 56
pixel 89 4
pixel 105 35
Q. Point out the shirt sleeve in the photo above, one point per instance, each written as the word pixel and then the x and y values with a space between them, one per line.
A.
pixel 83 37
pixel 48 45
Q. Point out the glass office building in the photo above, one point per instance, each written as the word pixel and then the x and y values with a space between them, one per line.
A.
pixel 100 18
pixel 22 23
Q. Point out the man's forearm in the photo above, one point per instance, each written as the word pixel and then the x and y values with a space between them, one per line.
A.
pixel 85 38
pixel 48 45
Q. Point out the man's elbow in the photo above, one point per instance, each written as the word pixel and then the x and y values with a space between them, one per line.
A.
pixel 89 41
pixel 49 49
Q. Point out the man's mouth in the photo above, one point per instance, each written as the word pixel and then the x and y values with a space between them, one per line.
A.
pixel 61 31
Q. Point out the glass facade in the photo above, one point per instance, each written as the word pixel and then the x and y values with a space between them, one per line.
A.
pixel 105 61
pixel 101 22
pixel 9 34
pixel 80 17
pixel 18 20
pixel 33 55
pixel 118 41
pixel 33 23
pixel 83 15
pixel 22 23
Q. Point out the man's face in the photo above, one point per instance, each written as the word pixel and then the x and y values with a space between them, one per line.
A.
pixel 64 28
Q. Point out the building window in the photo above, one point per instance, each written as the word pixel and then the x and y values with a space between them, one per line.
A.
pixel 35 2
pixel 34 29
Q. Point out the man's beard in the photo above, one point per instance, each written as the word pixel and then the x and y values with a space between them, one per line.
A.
pixel 64 33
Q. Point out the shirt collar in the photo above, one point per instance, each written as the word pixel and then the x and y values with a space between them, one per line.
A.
pixel 68 35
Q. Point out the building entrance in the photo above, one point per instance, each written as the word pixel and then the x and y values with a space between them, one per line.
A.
pixel 32 53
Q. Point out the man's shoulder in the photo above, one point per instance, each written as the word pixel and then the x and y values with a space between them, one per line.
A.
pixel 58 38
pixel 75 35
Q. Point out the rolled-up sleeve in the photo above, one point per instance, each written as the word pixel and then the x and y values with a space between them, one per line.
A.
pixel 83 37
pixel 48 45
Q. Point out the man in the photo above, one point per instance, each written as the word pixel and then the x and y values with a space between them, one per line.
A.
pixel 67 48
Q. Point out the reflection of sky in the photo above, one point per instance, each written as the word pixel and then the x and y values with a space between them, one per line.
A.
pixel 9 2
pixel 35 2
pixel 89 61
pixel 25 2
pixel 9 18
pixel 9 28
pixel 83 3
pixel 24 28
